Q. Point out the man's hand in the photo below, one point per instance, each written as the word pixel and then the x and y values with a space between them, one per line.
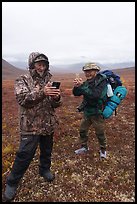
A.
pixel 77 82
pixel 51 91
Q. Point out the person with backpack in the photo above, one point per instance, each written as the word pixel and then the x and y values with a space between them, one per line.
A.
pixel 37 100
pixel 94 91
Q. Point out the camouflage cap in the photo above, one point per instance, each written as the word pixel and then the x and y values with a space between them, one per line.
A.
pixel 37 57
pixel 91 66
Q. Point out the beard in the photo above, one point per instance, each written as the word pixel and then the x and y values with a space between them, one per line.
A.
pixel 40 73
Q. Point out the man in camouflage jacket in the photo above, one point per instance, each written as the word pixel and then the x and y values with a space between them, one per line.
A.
pixel 38 100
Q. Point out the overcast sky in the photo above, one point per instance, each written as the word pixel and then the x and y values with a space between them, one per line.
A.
pixel 69 32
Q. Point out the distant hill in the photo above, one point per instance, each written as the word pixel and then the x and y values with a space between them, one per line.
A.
pixel 11 72
pixel 71 68
pixel 76 67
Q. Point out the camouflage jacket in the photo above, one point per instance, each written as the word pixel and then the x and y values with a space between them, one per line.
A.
pixel 37 111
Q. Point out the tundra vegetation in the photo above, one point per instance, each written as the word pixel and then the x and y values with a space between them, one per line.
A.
pixel 78 177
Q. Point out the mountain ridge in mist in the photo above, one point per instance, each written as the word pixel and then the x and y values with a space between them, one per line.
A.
pixel 71 67
pixel 11 71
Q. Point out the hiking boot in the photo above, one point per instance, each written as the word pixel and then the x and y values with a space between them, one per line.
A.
pixel 81 150
pixel 10 193
pixel 103 154
pixel 48 176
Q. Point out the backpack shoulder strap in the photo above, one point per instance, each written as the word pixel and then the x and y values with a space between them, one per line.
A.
pixel 100 78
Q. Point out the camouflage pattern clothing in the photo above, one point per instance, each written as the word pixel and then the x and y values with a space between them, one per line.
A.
pixel 37 111
pixel 98 124
pixel 37 123
pixel 94 92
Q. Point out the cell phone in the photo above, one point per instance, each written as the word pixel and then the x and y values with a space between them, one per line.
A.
pixel 56 84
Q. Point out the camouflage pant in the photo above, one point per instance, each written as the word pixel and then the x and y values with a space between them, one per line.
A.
pixel 98 124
